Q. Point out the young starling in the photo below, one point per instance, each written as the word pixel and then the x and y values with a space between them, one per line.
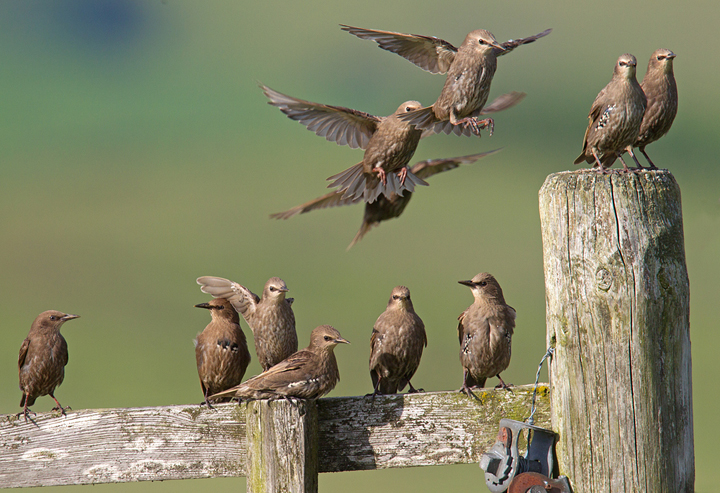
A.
pixel 662 100
pixel 307 374
pixel 389 144
pixel 396 345
pixel 485 331
pixel 221 350
pixel 42 360
pixel 470 70
pixel 271 318
pixel 383 208
pixel 615 118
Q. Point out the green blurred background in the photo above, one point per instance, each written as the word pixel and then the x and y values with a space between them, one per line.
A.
pixel 138 154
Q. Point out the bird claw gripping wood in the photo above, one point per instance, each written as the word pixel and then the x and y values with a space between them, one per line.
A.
pixel 502 462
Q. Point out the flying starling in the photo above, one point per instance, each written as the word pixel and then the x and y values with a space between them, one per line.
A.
pixel 221 349
pixel 42 360
pixel 388 142
pixel 485 331
pixel 383 208
pixel 307 374
pixel 470 70
pixel 271 318
pixel 396 345
pixel 615 118
pixel 662 100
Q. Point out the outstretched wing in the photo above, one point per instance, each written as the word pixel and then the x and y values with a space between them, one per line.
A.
pixel 427 52
pixel 426 169
pixel 511 44
pixel 332 199
pixel 240 297
pixel 336 123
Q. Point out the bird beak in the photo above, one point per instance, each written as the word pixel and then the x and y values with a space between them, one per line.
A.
pixel 467 283
pixel 340 340
pixel 69 317
pixel 497 45
pixel 671 55
pixel 204 305
pixel 283 290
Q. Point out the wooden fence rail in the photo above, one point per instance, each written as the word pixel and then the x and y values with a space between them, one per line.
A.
pixel 277 445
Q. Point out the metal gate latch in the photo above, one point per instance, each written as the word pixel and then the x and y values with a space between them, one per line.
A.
pixel 502 462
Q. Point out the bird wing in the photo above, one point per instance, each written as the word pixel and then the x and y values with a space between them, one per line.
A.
pixel 461 327
pixel 426 169
pixel 336 123
pixel 427 52
pixel 332 199
pixel 23 352
pixel 240 297
pixel 291 369
pixel 511 44
pixel 503 102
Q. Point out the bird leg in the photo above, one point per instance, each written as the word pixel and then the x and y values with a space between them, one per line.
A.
pixel 381 175
pixel 625 166
pixel 59 407
pixel 652 165
pixel 376 390
pixel 403 174
pixel 502 384
pixel 598 163
pixel 476 125
pixel 207 401
pixel 465 389
pixel 629 150
pixel 26 410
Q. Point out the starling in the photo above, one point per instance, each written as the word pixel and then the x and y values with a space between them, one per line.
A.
pixel 383 208
pixel 388 142
pixel 307 374
pixel 662 100
pixel 396 345
pixel 42 360
pixel 221 349
pixel 485 331
pixel 615 118
pixel 470 70
pixel 271 318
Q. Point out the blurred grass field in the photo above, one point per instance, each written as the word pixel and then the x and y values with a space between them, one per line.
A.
pixel 138 154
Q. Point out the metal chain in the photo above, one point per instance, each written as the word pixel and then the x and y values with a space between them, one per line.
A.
pixel 550 351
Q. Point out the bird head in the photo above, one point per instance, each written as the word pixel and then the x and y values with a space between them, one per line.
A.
pixel 661 61
pixel 400 298
pixel 482 41
pixel 220 308
pixel 52 320
pixel 407 107
pixel 485 287
pixel 275 289
pixel 326 337
pixel 625 66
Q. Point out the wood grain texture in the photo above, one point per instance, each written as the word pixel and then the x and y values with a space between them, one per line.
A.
pixel 617 296
pixel 184 442
pixel 282 446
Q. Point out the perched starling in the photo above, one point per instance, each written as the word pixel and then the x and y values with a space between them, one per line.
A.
pixel 470 70
pixel 42 360
pixel 396 345
pixel 662 100
pixel 383 208
pixel 615 118
pixel 485 331
pixel 388 142
pixel 271 318
pixel 307 374
pixel 221 349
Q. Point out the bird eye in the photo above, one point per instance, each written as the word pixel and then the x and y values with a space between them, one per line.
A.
pixel 327 338
pixel 660 57
pixel 272 288
pixel 483 283
pixel 481 41
pixel 396 297
pixel 408 109
pixel 53 317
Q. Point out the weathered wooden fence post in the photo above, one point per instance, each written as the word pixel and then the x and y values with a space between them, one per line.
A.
pixel 282 446
pixel 617 300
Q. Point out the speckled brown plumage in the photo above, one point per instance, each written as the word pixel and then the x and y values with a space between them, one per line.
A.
pixel 485 332
pixel 383 208
pixel 396 344
pixel 221 350
pixel 662 100
pixel 615 118
pixel 470 70
pixel 389 144
pixel 307 374
pixel 270 318
pixel 42 359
